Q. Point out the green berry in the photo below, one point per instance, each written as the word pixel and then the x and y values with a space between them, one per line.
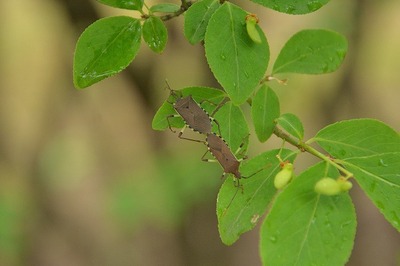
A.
pixel 344 184
pixel 283 177
pixel 327 186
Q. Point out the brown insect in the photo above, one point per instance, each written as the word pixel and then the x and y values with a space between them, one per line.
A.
pixel 194 116
pixel 221 151
pixel 227 159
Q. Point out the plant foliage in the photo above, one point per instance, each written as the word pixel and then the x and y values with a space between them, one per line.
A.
pixel 304 225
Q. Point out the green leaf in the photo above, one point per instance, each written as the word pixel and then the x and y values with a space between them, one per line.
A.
pixel 264 110
pixel 196 19
pixel 105 48
pixel 234 129
pixel 199 94
pixel 306 228
pixel 293 7
pixel 239 212
pixel 311 52
pixel 371 151
pixel 357 138
pixel 125 4
pixel 236 61
pixel 292 124
pixel 155 33
pixel 165 8
pixel 379 177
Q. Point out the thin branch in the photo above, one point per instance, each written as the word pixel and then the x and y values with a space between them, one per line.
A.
pixel 304 147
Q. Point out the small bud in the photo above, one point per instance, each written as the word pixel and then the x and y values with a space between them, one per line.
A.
pixel 327 186
pixel 251 22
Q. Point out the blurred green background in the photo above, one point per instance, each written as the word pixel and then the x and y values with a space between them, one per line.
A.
pixel 84 180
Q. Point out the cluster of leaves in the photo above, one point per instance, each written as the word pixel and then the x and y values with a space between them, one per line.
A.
pixel 313 228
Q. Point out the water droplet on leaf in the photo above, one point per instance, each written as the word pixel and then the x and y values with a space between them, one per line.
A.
pixel 382 163
pixel 273 239
pixel 372 187
pixel 328 224
pixel 380 205
pixel 312 6
pixel 290 9
pixel 395 220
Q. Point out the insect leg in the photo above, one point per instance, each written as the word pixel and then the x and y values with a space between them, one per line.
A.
pixel 225 100
pixel 169 122
pixel 207 160
pixel 259 170
pixel 238 151
pixel 239 186
pixel 195 140
pixel 216 122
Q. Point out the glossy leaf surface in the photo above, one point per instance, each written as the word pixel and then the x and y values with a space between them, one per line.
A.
pixel 155 34
pixel 105 48
pixel 125 4
pixel 292 125
pixel 196 19
pixel 165 8
pixel 237 62
pixel 239 212
pixel 264 111
pixel 311 52
pixel 358 138
pixel 306 228
pixel 293 7
pixel 379 177
pixel 233 125
pixel 371 151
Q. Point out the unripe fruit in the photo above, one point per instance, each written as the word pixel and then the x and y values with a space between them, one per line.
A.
pixel 344 184
pixel 327 186
pixel 251 22
pixel 284 176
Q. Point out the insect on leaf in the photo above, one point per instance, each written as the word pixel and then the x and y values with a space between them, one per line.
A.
pixel 202 95
pixel 239 212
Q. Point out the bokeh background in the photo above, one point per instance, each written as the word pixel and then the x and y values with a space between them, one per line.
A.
pixel 84 180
